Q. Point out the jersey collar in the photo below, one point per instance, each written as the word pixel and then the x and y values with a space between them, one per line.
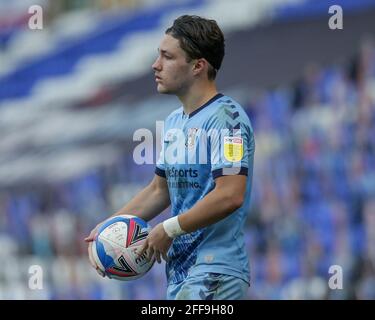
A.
pixel 214 98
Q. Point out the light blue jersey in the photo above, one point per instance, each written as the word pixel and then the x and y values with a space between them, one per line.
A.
pixel 215 140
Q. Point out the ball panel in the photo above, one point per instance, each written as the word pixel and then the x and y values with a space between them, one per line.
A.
pixel 121 218
pixel 115 233
pixel 101 253
pixel 136 232
pixel 141 222
pixel 95 256
pixel 116 247
pixel 141 263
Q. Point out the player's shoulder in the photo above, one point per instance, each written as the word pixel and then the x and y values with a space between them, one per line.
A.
pixel 230 104
pixel 228 110
pixel 174 114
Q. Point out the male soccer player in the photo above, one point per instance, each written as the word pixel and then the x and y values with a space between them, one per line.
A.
pixel 204 171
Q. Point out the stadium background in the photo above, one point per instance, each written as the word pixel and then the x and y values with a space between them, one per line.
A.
pixel 73 94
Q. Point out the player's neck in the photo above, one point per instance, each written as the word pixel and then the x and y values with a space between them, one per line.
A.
pixel 197 96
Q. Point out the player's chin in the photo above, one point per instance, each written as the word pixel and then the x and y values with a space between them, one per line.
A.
pixel 163 89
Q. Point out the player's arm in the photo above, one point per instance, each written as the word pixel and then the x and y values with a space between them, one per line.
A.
pixel 149 202
pixel 225 198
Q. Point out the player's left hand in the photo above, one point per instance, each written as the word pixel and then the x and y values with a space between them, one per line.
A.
pixel 157 244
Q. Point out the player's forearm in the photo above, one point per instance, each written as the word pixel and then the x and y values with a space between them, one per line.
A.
pixel 214 207
pixel 147 204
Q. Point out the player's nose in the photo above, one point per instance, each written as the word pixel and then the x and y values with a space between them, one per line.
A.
pixel 156 66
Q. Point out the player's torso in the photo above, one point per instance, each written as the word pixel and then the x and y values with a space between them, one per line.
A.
pixel 188 164
pixel 187 160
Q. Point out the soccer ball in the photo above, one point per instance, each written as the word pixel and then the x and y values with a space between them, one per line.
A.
pixel 115 248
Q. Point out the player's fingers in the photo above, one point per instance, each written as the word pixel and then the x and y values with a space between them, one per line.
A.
pixel 100 272
pixel 89 239
pixel 157 256
pixel 92 236
pixel 143 249
pixel 150 254
pixel 164 255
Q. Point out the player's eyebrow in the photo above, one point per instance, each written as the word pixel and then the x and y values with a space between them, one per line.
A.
pixel 163 51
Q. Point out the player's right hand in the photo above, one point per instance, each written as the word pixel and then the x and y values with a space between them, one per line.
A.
pixel 90 239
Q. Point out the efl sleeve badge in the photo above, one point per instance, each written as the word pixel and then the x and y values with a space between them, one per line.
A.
pixel 233 149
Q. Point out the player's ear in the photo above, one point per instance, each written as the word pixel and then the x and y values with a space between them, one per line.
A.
pixel 199 66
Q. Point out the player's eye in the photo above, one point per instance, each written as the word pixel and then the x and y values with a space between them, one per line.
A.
pixel 167 56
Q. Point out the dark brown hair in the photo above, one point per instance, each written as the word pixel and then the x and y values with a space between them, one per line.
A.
pixel 200 38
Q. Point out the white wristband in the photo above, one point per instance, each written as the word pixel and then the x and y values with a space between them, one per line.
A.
pixel 172 227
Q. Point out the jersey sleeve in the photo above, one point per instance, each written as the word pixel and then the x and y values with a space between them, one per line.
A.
pixel 232 144
pixel 160 164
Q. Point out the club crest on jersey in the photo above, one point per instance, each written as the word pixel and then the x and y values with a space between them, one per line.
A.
pixel 169 137
pixel 233 149
pixel 190 143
